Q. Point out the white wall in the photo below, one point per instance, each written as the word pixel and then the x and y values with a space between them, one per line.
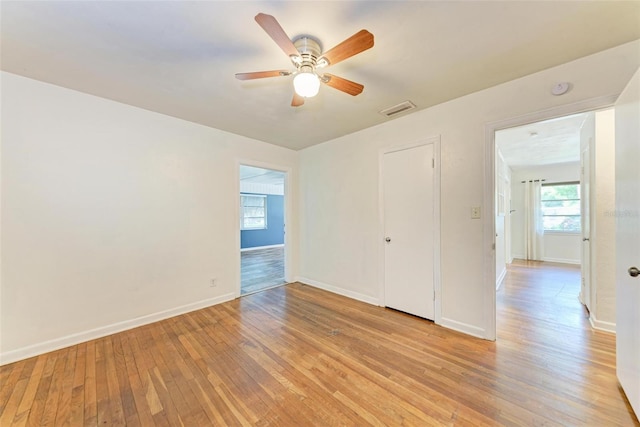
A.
pixel 558 247
pixel 562 247
pixel 341 246
pixel 603 228
pixel 112 216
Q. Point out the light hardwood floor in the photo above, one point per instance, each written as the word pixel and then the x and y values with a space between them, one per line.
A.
pixel 261 269
pixel 300 356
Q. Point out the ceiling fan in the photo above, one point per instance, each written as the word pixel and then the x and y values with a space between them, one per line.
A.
pixel 306 55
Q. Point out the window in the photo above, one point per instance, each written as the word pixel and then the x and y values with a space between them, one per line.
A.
pixel 561 207
pixel 253 212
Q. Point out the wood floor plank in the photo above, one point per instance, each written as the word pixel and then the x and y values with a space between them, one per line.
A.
pixel 36 411
pixel 119 393
pixel 10 407
pixel 90 388
pixel 11 375
pixel 66 388
pixel 103 402
pixel 26 403
pixel 76 410
pixel 297 355
pixel 13 386
pixel 145 417
pixel 176 374
pixel 5 372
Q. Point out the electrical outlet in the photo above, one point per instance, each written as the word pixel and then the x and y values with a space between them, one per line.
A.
pixel 213 283
pixel 475 212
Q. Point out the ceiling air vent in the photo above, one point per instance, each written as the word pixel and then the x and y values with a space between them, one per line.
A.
pixel 397 109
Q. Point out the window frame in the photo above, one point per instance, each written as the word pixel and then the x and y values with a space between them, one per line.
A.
pixel 243 216
pixel 579 200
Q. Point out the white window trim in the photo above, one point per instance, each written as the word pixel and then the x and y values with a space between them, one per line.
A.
pixel 564 232
pixel 242 207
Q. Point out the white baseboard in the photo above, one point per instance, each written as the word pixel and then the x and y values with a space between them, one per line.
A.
pixel 103 331
pixel 447 323
pixel 255 248
pixel 463 327
pixel 562 260
pixel 601 325
pixel 339 290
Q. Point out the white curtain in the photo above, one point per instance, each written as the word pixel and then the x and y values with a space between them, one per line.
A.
pixel 533 225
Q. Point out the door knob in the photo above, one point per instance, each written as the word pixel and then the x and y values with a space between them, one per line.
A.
pixel 388 239
pixel 585 239
pixel 634 272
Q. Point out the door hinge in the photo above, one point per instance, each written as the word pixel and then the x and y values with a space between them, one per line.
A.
pixel 434 294
pixel 493 246
pixel 433 163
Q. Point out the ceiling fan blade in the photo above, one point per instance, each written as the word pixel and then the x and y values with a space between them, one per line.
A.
pixel 262 74
pixel 297 100
pixel 275 31
pixel 347 86
pixel 360 41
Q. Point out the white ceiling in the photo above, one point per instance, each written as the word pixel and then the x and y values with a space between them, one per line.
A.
pixel 543 143
pixel 179 58
pixel 261 176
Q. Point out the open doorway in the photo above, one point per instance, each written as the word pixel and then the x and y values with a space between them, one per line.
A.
pixel 553 180
pixel 262 228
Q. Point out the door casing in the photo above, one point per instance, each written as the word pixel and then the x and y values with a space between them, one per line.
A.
pixel 488 224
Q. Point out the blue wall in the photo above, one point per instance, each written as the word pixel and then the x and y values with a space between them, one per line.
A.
pixel 274 233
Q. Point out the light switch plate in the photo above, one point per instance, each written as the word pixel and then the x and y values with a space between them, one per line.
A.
pixel 475 212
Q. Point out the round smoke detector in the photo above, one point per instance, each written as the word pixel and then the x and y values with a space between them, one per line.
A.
pixel 560 88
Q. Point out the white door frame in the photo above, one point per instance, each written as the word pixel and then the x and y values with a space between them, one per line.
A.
pixel 435 140
pixel 288 216
pixel 586 268
pixel 488 226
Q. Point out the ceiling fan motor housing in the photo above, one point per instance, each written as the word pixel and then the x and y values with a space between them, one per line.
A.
pixel 310 50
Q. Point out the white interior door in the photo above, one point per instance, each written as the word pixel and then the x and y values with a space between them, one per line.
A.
pixel 408 199
pixel 585 224
pixel 627 211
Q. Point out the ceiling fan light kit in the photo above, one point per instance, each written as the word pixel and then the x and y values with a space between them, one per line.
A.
pixel 306 55
pixel 306 84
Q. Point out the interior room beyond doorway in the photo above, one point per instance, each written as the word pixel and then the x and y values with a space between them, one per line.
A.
pixel 262 225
